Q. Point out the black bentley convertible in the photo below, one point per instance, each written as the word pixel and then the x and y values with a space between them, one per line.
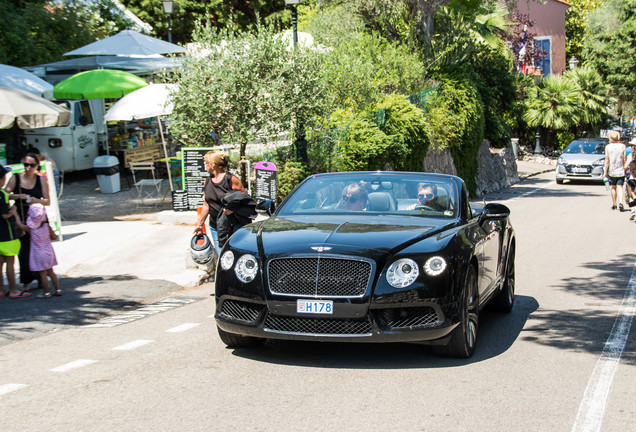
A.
pixel 368 257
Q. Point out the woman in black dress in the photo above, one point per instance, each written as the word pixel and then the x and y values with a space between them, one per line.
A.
pixel 26 188
pixel 215 187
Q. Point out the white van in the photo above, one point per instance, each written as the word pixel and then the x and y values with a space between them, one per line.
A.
pixel 73 147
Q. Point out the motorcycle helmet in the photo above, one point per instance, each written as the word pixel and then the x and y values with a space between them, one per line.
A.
pixel 201 249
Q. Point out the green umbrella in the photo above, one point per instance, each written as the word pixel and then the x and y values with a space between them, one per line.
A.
pixel 97 84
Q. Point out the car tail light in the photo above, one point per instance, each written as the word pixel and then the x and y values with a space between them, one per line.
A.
pixel 55 142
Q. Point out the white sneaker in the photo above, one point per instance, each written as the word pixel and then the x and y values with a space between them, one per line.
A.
pixel 632 216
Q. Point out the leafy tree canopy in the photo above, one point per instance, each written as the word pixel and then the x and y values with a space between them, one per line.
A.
pixel 361 69
pixel 612 50
pixel 231 14
pixel 576 26
pixel 40 31
pixel 246 86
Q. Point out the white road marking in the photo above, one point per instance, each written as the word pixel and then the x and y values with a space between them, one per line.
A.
pixel 592 408
pixel 73 365
pixel 182 327
pixel 8 388
pixel 132 345
pixel 142 312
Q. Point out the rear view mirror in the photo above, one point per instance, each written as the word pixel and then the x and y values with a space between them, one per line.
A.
pixel 266 207
pixel 494 211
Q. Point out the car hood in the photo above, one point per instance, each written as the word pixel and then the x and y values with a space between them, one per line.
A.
pixel 580 158
pixel 364 236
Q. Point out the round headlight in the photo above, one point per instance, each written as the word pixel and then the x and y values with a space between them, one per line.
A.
pixel 227 260
pixel 402 273
pixel 246 268
pixel 435 266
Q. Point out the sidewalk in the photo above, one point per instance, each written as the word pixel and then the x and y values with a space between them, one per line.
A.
pixel 142 249
pixel 533 165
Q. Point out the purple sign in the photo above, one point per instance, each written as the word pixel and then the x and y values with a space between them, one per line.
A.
pixel 265 180
pixel 267 166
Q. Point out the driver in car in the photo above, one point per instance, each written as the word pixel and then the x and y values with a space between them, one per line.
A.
pixel 427 197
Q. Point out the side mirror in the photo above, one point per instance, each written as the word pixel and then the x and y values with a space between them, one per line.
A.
pixel 494 211
pixel 266 207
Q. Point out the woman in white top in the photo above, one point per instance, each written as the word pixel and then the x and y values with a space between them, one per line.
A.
pixel 615 166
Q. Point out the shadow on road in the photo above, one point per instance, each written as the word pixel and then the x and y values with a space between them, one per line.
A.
pixel 586 329
pixel 497 333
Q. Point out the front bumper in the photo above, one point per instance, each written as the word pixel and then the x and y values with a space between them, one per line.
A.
pixel 579 172
pixel 423 322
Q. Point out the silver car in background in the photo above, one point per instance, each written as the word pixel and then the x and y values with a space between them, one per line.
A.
pixel 582 159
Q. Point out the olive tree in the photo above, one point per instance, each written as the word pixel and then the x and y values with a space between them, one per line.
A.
pixel 246 86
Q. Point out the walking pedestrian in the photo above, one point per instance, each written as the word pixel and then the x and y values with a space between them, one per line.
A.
pixel 631 184
pixel 42 257
pixel 9 243
pixel 614 168
pixel 215 187
pixel 27 188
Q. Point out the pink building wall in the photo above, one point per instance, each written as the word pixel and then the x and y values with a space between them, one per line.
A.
pixel 549 21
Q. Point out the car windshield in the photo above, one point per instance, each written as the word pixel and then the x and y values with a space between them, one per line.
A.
pixel 587 147
pixel 373 193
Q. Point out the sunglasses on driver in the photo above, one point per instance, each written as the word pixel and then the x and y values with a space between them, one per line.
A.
pixel 427 196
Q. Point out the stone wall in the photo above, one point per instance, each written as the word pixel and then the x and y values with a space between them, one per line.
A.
pixel 497 167
pixel 439 161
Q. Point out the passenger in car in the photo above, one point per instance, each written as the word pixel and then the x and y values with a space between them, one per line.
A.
pixel 354 197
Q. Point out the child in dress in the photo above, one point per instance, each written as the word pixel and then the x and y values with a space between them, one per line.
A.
pixel 42 256
pixel 9 242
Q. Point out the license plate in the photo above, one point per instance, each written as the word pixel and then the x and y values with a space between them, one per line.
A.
pixel 314 306
pixel 580 170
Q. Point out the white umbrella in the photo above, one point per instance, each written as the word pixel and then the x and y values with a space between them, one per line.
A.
pixel 11 76
pixel 150 101
pixel 29 111
pixel 128 43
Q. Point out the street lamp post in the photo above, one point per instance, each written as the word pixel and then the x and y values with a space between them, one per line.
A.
pixel 537 148
pixel 167 8
pixel 294 15
pixel 301 142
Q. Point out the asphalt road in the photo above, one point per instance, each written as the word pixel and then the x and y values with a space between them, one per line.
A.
pixel 534 369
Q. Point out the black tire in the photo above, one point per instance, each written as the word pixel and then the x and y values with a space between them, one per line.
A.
pixel 233 340
pixel 464 338
pixel 504 301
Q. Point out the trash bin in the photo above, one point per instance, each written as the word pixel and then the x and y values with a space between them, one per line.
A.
pixel 107 171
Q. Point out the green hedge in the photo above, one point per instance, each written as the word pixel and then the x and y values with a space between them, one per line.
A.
pixel 456 119
pixel 393 135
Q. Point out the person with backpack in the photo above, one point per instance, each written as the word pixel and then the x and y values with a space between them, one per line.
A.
pixel 215 188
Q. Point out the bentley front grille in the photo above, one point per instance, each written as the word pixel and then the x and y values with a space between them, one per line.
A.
pixel 329 277
pixel 241 311
pixel 318 326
